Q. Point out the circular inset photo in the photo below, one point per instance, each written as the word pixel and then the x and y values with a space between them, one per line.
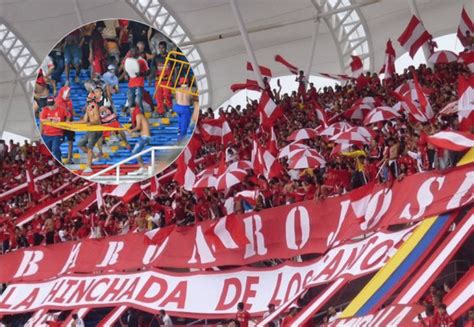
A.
pixel 116 101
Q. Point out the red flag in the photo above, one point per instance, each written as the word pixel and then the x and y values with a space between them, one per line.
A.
pixel 412 108
pixel 273 143
pixel 466 102
pixel 185 175
pixel 293 69
pixel 155 186
pixel 388 69
pixel 257 165
pixel 99 196
pixel 249 85
pixel 269 110
pixel 217 130
pixel 414 36
pixel 464 25
pixel 31 181
pixel 452 140
pixel 264 71
pixel 425 106
pixel 357 67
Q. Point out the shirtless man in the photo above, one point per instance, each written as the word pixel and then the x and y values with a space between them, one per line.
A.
pixel 143 126
pixel 183 108
pixel 89 140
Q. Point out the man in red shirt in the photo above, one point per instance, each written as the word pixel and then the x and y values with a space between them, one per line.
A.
pixel 136 80
pixel 52 136
pixel 242 315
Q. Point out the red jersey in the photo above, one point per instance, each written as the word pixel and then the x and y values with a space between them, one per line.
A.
pixel 243 318
pixel 444 320
pixel 139 81
pixel 54 115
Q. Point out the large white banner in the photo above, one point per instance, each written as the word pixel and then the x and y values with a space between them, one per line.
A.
pixel 214 294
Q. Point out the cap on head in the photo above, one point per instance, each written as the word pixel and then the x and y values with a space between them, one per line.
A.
pixel 50 101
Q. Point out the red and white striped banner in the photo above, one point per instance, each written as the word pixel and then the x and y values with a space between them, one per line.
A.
pixel 414 36
pixel 452 140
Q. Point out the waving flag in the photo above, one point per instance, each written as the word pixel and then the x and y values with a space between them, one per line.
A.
pixel 293 69
pixel 273 143
pixel 264 71
pixel 466 102
pixel 269 110
pixel 425 106
pixel 31 181
pixel 464 25
pixel 185 175
pixel 357 67
pixel 452 140
pixel 217 130
pixel 388 68
pixel 99 196
pixel 414 36
pixel 249 85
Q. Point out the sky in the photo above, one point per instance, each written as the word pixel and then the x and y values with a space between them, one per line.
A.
pixel 288 83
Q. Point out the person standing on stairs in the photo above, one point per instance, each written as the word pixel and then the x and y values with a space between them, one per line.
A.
pixel 73 53
pixel 64 102
pixel 183 107
pixel 52 136
pixel 142 125
pixel 162 94
pixel 89 140
pixel 136 69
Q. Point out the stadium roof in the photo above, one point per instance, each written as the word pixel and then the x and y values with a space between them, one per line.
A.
pixel 29 29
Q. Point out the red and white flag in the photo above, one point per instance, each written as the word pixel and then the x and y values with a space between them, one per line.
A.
pixel 264 162
pixel 338 77
pixel 126 192
pixel 30 180
pixel 269 110
pixel 414 36
pixel 425 106
pixel 464 25
pixel 273 143
pixel 388 69
pixel 159 235
pixel 264 71
pixel 99 196
pixel 292 68
pixel 217 130
pixel 452 140
pixel 357 67
pixel 185 175
pixel 249 85
pixel 155 189
pixel 466 102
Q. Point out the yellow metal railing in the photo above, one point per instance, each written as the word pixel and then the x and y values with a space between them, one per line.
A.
pixel 173 79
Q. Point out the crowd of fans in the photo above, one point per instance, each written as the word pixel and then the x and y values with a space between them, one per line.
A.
pixel 402 141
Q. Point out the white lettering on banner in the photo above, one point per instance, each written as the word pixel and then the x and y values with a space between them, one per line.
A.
pixel 464 189
pixel 153 252
pixel 71 260
pixel 342 216
pixel 424 198
pixel 201 249
pixel 29 263
pixel 290 230
pixel 155 289
pixel 111 257
pixel 373 208
pixel 256 243
pixel 223 234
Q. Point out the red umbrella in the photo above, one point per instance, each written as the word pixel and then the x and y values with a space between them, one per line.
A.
pixel 355 135
pixel 381 114
pixel 206 181
pixel 230 178
pixel 241 164
pixel 302 161
pixel 285 151
pixel 336 128
pixel 303 152
pixel 443 57
pixel 302 134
